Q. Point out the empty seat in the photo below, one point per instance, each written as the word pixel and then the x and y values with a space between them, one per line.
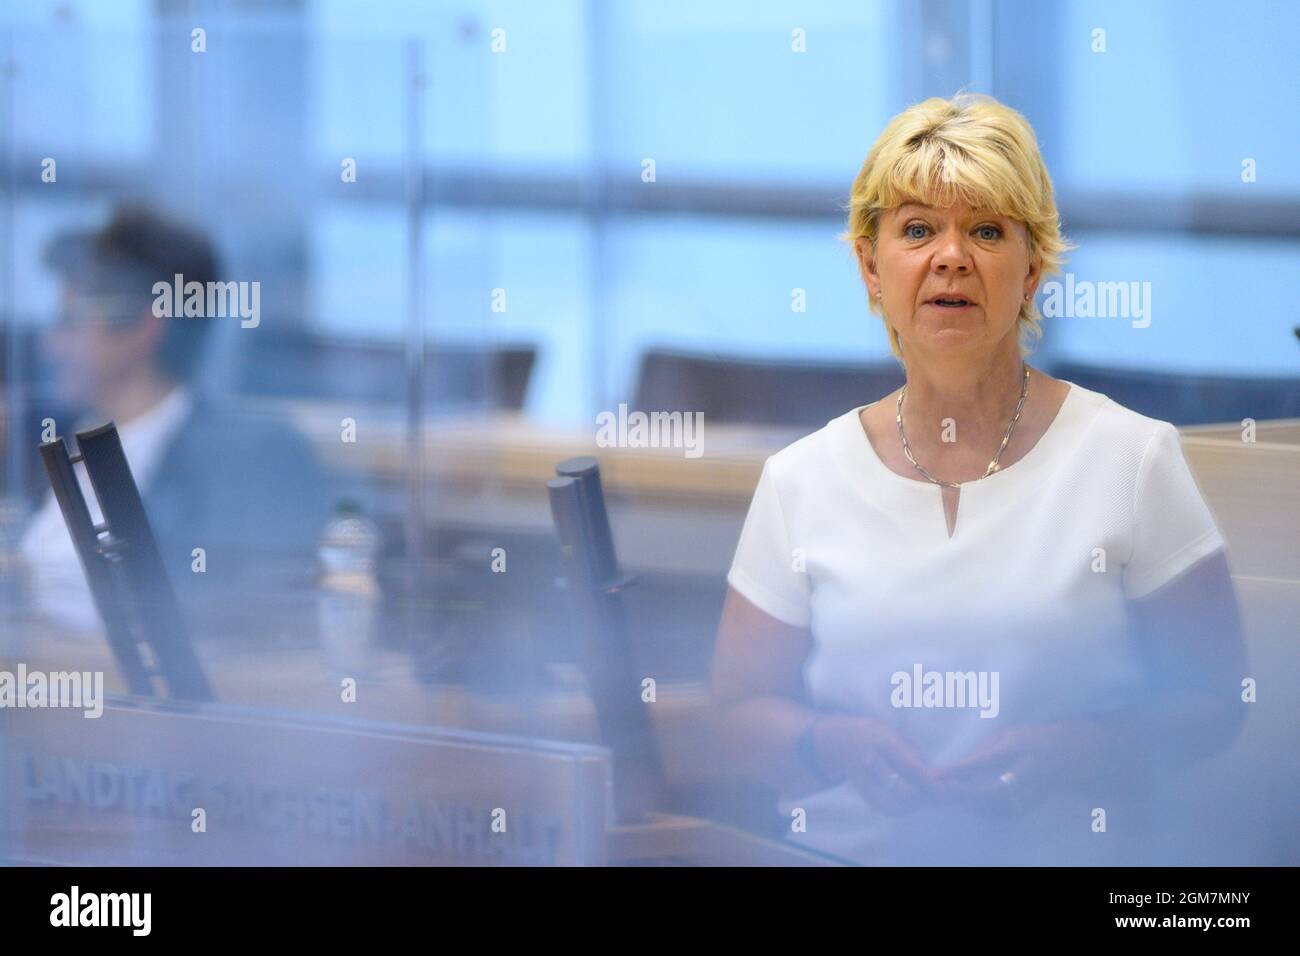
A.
pixel 1186 399
pixel 758 391
pixel 455 376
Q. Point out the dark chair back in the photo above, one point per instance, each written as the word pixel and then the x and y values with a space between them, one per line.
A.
pixel 1185 399
pixel 455 376
pixel 757 391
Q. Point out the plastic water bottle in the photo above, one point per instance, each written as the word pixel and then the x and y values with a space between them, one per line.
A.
pixel 349 589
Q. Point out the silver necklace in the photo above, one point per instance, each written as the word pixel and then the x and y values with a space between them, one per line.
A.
pixel 993 465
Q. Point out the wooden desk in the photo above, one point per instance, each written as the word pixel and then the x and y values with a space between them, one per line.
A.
pixel 285 789
pixel 510 450
pixel 1254 491
pixel 151 783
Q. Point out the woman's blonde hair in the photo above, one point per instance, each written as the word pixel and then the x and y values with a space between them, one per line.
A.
pixel 969 148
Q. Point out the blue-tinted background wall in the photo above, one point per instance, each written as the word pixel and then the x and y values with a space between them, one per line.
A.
pixel 529 163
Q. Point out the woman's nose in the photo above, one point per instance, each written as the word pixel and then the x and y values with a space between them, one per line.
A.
pixel 951 255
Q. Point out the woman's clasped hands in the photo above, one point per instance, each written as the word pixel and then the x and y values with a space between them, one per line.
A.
pixel 1007 775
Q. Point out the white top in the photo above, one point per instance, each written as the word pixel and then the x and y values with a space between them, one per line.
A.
pixel 58 584
pixel 1031 588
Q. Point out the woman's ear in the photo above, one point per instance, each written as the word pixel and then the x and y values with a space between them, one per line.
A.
pixel 1033 276
pixel 867 265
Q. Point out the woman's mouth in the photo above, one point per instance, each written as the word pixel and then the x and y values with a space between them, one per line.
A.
pixel 951 302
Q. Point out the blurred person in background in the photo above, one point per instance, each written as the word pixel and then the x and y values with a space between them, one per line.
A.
pixel 940 685
pixel 248 490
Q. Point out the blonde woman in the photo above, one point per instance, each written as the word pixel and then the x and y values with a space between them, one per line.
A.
pixel 984 619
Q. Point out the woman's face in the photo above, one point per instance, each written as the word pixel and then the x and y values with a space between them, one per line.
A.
pixel 951 277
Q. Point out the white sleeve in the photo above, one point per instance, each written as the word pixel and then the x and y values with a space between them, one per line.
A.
pixel 1173 526
pixel 766 570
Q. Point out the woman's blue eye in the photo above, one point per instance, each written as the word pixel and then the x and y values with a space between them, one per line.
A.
pixel 915 225
pixel 986 229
